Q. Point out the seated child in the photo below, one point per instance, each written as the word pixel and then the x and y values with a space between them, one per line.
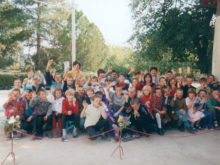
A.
pixel 15 105
pixel 70 112
pixel 178 104
pixel 56 99
pixel 214 106
pixel 43 110
pixel 96 118
pixel 201 105
pixel 194 116
pixel 28 121
pixel 140 117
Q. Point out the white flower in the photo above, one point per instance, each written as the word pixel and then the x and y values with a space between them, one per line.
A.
pixel 11 120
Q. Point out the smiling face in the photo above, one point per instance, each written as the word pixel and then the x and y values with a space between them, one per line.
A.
pixel 58 94
pixel 118 90
pixel 17 84
pixel 158 93
pixel 97 102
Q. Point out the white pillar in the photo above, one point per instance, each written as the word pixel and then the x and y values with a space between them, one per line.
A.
pixel 73 32
pixel 216 45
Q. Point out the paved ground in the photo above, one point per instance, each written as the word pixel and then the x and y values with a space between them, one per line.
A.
pixel 197 150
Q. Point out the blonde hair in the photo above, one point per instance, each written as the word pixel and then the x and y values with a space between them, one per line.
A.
pixel 70 92
pixel 147 87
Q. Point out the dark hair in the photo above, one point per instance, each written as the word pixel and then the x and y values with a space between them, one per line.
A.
pixel 40 90
pixel 171 80
pixel 153 68
pixel 148 74
pixel 134 101
pixel 100 71
pixel 203 79
pixel 169 71
pixel 202 90
pixel 99 93
pixel 118 85
pixel 136 73
pixel 114 71
pixel 76 63
pixel 96 96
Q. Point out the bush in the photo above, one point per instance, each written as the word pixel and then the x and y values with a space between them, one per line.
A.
pixel 7 79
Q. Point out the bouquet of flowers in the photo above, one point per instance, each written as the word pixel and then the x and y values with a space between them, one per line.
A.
pixel 11 123
pixel 123 122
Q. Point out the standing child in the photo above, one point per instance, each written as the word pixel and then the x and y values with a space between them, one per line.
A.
pixel 159 110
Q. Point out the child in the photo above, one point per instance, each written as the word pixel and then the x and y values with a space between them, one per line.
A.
pixel 141 118
pixel 43 110
pixel 162 82
pixel 204 86
pixel 146 98
pixel 17 85
pixel 201 104
pixel 172 86
pixel 68 84
pixel 56 99
pixel 70 112
pixel 154 74
pixel 159 110
pixel 122 82
pixel 214 106
pixel 55 81
pixel 189 81
pixel 28 122
pixel 96 118
pixel 117 100
pixel 28 82
pixel 148 81
pixel 14 106
pixel 178 104
pixel 194 116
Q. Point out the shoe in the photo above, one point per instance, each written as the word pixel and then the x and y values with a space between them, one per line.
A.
pixel 215 124
pixel 126 138
pixel 192 130
pixel 64 139
pixel 75 132
pixel 160 131
pixel 136 135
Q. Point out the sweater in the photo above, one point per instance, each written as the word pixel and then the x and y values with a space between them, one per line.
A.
pixel 66 107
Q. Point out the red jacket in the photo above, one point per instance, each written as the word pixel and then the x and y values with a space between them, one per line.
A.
pixel 66 107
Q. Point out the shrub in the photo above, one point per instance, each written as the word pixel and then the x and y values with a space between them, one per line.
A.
pixel 7 79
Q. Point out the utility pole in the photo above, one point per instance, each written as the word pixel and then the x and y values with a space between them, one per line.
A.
pixel 216 44
pixel 73 32
pixel 38 35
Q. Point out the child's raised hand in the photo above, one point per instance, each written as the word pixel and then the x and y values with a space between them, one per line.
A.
pixel 25 81
pixel 69 113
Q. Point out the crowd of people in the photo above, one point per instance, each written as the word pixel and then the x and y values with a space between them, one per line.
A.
pixel 48 105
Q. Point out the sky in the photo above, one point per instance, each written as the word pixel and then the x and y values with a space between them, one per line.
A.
pixel 112 17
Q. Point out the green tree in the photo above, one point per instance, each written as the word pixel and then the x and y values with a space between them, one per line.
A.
pixel 173 29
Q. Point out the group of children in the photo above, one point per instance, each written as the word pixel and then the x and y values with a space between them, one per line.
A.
pixel 150 102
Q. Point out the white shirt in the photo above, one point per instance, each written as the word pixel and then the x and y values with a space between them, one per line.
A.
pixel 56 103
pixel 92 115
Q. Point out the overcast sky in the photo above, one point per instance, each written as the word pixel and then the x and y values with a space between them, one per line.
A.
pixel 112 17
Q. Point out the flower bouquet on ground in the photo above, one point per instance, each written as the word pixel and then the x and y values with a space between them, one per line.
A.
pixel 12 123
pixel 123 122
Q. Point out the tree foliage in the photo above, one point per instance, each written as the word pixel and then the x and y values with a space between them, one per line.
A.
pixel 173 31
